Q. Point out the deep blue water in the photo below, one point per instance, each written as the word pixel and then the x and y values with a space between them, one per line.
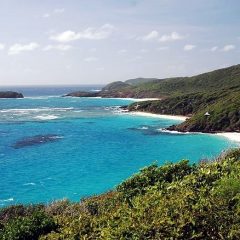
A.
pixel 53 147
pixel 30 91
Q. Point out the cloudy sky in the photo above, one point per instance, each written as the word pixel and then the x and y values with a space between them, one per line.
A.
pixel 100 41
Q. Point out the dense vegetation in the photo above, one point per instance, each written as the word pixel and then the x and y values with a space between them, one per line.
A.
pixel 217 93
pixel 218 80
pixel 174 201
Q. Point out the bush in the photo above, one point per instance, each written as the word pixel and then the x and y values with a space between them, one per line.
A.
pixel 154 175
pixel 28 228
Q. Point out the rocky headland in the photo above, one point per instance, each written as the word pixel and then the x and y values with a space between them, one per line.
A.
pixel 211 100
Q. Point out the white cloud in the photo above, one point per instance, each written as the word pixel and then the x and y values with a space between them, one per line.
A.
pixel 214 49
pixel 90 33
pixel 91 59
pixel 60 47
pixel 229 47
pixel 150 36
pixel 143 50
pixel 18 48
pixel 54 12
pixel 174 36
pixel 2 46
pixel 122 51
pixel 162 48
pixel 134 59
pixel 68 67
pixel 59 10
pixel 46 15
pixel 100 69
pixel 66 36
pixel 189 47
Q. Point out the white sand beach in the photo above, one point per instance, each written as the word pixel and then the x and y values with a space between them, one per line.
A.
pixel 233 136
pixel 144 99
pixel 136 99
pixel 173 117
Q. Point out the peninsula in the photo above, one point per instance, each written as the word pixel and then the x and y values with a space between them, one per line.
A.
pixel 211 100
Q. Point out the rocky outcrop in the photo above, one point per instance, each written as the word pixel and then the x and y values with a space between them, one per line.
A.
pixel 10 94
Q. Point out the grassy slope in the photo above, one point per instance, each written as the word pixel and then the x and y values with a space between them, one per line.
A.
pixel 217 80
pixel 137 81
pixel 212 81
pixel 174 201
pixel 217 92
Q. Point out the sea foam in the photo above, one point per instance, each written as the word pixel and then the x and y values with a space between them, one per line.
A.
pixel 46 117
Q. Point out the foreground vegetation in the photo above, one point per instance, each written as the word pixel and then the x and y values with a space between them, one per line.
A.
pixel 174 201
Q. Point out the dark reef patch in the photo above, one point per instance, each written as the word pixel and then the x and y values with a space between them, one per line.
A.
pixel 36 140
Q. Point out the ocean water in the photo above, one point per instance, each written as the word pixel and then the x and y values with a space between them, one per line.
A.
pixel 53 147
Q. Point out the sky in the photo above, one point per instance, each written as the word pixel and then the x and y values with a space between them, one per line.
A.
pixel 71 42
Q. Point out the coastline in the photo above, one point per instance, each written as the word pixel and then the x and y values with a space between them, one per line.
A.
pixel 132 99
pixel 173 117
pixel 233 136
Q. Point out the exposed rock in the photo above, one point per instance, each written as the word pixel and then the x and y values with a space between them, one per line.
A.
pixel 10 94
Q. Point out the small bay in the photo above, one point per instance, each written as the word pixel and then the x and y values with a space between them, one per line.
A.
pixel 97 147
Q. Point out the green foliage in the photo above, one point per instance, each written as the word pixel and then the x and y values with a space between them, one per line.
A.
pixel 154 176
pixel 223 107
pixel 137 81
pixel 217 92
pixel 16 211
pixel 218 80
pixel 29 227
pixel 174 201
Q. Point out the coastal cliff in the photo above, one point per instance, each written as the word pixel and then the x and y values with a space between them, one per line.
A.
pixel 10 94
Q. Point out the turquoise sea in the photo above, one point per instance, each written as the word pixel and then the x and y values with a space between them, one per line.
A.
pixel 53 147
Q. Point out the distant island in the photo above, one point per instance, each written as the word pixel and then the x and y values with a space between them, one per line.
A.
pixel 211 100
pixel 10 94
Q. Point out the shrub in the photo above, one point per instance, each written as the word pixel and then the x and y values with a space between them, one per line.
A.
pixel 29 227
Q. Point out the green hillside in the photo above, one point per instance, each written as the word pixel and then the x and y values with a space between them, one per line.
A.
pixel 217 93
pixel 137 81
pixel 216 80
pixel 173 201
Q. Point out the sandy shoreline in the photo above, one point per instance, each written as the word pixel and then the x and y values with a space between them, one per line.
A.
pixel 134 99
pixel 145 114
pixel 233 136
